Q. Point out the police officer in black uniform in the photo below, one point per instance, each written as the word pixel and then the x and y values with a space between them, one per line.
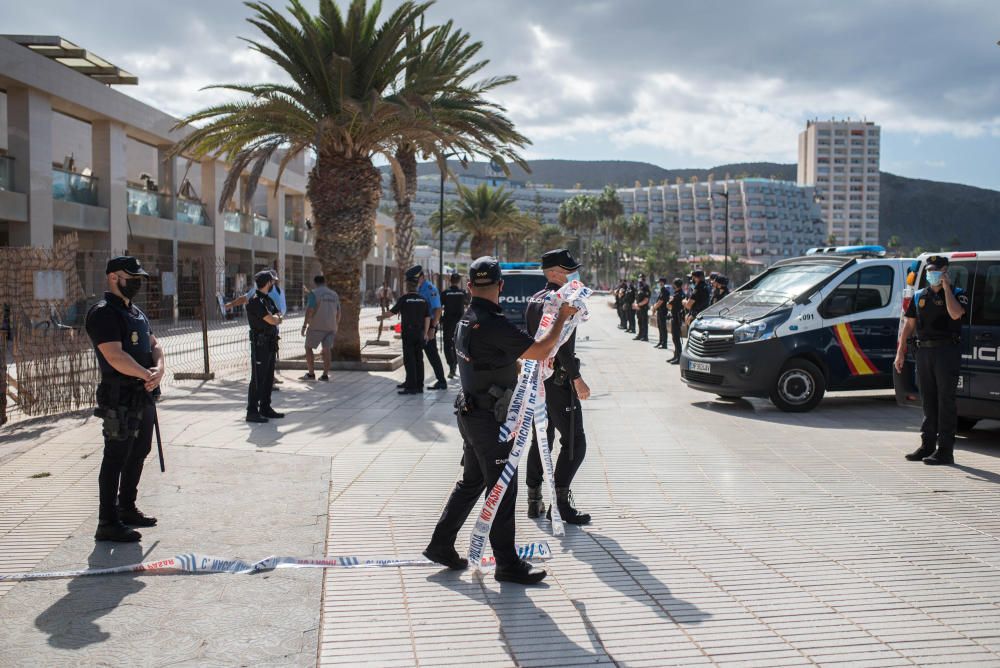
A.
pixel 131 364
pixel 427 290
pixel 676 306
pixel 935 314
pixel 415 317
pixel 661 311
pixel 488 348
pixel 563 391
pixel 642 296
pixel 454 300
pixel 700 298
pixel 721 289
pixel 263 317
pixel 628 302
pixel 619 295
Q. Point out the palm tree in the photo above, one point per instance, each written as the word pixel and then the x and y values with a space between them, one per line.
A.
pixel 545 238
pixel 344 102
pixel 579 215
pixel 484 216
pixel 439 73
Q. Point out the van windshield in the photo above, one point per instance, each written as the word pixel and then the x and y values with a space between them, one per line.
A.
pixel 791 281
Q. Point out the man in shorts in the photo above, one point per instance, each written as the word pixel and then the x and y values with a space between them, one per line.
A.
pixel 320 326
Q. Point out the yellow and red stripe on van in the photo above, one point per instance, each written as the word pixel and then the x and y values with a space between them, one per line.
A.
pixel 857 361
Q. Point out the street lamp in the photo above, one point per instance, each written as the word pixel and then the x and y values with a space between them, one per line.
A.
pixel 444 158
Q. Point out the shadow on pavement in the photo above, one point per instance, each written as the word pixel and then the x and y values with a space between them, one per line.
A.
pixel 828 415
pixel 71 622
pixel 983 440
pixel 525 630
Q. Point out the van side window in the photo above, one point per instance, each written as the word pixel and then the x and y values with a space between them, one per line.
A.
pixel 986 298
pixel 867 289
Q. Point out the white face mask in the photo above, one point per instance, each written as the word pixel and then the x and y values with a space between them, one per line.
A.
pixel 575 276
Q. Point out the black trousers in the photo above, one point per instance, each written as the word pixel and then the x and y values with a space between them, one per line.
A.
pixel 643 317
pixel 630 314
pixel 622 317
pixel 448 331
pixel 662 326
pixel 484 459
pixel 262 357
pixel 675 333
pixel 121 468
pixel 413 362
pixel 564 414
pixel 937 375
pixel 431 349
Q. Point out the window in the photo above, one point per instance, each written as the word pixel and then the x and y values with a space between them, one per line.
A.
pixel 986 301
pixel 867 289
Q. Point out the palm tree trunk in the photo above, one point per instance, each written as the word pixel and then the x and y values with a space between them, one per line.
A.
pixel 344 193
pixel 481 245
pixel 406 155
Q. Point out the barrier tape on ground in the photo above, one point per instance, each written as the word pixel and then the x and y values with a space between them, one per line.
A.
pixel 200 563
pixel 527 407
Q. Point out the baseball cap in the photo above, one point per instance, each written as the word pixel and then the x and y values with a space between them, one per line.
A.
pixel 560 257
pixel 485 271
pixel 697 273
pixel 126 263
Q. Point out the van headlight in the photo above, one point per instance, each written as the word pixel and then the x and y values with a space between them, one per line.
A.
pixel 760 330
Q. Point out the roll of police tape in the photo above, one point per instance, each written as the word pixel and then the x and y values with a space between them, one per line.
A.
pixel 193 562
pixel 527 405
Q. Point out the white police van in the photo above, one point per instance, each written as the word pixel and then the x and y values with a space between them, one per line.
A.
pixel 978 396
pixel 824 321
pixel 520 281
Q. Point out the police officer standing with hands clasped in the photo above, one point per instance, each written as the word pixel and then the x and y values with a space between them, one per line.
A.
pixel 454 301
pixel 263 317
pixel 131 364
pixel 935 314
pixel 488 347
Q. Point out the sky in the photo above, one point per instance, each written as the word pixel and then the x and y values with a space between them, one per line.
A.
pixel 676 83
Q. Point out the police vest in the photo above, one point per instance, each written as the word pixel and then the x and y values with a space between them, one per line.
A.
pixel 478 377
pixel 136 338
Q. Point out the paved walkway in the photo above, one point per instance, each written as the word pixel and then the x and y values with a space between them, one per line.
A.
pixel 724 533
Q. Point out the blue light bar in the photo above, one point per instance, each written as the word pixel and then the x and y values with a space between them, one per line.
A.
pixel 520 265
pixel 847 250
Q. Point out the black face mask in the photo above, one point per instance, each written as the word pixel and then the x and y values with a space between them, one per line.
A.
pixel 130 288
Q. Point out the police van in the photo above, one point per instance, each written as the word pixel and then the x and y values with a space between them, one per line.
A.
pixel 978 396
pixel 520 281
pixel 824 321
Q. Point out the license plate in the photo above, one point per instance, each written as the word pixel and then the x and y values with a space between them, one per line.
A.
pixel 703 367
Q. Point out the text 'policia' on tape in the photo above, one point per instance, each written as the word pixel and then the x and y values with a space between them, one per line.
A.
pixel 200 563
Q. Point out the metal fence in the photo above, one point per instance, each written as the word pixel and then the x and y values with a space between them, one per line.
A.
pixel 47 363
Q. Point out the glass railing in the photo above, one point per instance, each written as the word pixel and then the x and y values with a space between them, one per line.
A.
pixel 189 211
pixel 232 221
pixel 144 202
pixel 261 226
pixel 74 187
pixel 6 172
pixel 293 231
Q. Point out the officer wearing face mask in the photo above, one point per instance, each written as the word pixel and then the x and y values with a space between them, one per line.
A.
pixel 935 315
pixel 131 363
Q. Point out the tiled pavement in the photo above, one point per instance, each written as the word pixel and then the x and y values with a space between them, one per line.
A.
pixel 724 533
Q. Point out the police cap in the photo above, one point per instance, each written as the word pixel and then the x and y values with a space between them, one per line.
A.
pixel 697 273
pixel 126 263
pixel 722 280
pixel 560 257
pixel 414 272
pixel 678 282
pixel 484 271
pixel 937 262
pixel 262 278
pixel 662 279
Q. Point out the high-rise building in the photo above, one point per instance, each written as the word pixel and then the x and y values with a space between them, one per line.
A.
pixel 841 160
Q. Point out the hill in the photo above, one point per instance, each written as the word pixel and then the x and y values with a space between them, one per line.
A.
pixel 928 214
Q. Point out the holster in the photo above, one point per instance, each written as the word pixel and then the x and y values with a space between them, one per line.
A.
pixel 120 410
pixel 560 377
pixel 502 404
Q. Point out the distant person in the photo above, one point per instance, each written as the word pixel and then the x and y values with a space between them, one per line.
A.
pixel 661 312
pixel 320 326
pixel 430 293
pixel 642 296
pixel 619 294
pixel 700 296
pixel 721 289
pixel 384 296
pixel 935 314
pixel 628 303
pixel 263 317
pixel 455 299
pixel 676 309
pixel 415 316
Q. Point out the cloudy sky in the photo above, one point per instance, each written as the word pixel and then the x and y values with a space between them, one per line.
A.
pixel 675 83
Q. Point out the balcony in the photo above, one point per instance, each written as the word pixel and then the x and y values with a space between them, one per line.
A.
pixel 6 172
pixel 73 187
pixel 232 221
pixel 293 231
pixel 261 226
pixel 190 211
pixel 143 202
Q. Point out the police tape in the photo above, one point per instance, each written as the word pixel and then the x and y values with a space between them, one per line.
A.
pixel 201 563
pixel 527 408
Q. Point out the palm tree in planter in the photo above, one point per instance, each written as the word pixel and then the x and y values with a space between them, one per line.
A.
pixel 440 73
pixel 482 217
pixel 343 102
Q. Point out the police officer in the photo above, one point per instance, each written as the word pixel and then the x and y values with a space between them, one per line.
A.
pixel 700 297
pixel 131 364
pixel 620 305
pixel 433 297
pixel 935 315
pixel 488 347
pixel 415 316
pixel 661 311
pixel 628 301
pixel 563 391
pixel 712 286
pixel 263 317
pixel 642 296
pixel 454 299
pixel 721 289
pixel 676 306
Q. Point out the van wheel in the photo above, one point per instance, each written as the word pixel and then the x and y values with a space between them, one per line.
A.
pixel 799 388
pixel 965 424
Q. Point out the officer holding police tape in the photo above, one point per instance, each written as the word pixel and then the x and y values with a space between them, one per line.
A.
pixel 935 314
pixel 131 364
pixel 488 347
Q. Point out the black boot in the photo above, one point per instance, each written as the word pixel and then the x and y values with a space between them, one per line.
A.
pixel 451 372
pixel 135 517
pixel 920 453
pixel 446 556
pixel 569 514
pixel 520 572
pixel 535 503
pixel 941 457
pixel 117 532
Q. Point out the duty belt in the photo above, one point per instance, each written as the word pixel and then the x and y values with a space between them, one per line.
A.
pixel 938 343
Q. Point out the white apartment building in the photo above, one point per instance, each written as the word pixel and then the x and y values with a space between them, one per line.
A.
pixel 79 156
pixel 841 160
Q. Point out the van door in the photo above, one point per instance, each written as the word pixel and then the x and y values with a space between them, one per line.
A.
pixel 860 318
pixel 981 339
